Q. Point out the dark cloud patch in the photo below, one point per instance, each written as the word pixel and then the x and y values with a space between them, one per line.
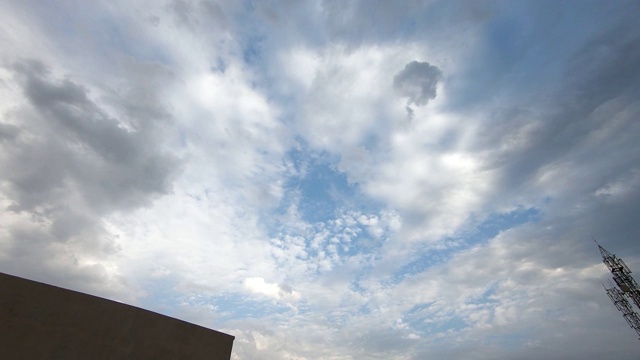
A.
pixel 183 12
pixel 199 17
pixel 606 67
pixel 418 82
pixel 65 164
pixel 591 118
pixel 8 132
pixel 112 167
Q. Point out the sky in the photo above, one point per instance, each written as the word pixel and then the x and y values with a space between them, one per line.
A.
pixel 330 179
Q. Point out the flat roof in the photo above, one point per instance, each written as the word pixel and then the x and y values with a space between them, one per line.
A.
pixel 41 321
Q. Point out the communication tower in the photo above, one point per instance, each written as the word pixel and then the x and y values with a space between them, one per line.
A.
pixel 622 289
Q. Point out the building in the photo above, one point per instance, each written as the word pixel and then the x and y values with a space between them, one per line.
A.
pixel 40 321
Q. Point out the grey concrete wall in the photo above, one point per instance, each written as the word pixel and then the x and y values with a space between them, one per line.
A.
pixel 39 321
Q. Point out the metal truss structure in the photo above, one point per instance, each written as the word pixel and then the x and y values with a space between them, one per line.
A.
pixel 622 289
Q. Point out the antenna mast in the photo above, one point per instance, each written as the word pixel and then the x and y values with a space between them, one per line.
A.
pixel 623 289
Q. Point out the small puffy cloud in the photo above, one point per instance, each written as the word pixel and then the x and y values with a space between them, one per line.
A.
pixel 418 82
pixel 257 285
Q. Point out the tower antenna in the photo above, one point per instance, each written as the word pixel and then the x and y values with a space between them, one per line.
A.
pixel 623 288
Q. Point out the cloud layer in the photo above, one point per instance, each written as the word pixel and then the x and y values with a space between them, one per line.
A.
pixel 330 180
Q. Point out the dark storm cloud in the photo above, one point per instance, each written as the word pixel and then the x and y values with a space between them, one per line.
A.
pixel 66 163
pixel 417 82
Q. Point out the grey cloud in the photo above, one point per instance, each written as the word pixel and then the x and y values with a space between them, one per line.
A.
pixel 113 167
pixel 573 137
pixel 183 11
pixel 433 22
pixel 417 82
pixel 65 164
pixel 285 288
pixel 538 270
pixel 199 17
pixel 576 123
pixel 8 131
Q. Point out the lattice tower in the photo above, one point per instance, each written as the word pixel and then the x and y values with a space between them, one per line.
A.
pixel 623 289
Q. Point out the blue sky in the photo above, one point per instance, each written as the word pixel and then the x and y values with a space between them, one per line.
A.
pixel 329 179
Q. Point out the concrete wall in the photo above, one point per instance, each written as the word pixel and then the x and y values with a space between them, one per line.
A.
pixel 39 321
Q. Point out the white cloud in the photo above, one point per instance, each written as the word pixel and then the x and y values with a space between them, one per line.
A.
pixel 257 285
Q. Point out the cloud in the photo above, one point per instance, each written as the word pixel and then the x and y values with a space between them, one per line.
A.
pixel 173 167
pixel 417 82
pixel 257 285
pixel 68 163
pixel 345 98
pixel 112 167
